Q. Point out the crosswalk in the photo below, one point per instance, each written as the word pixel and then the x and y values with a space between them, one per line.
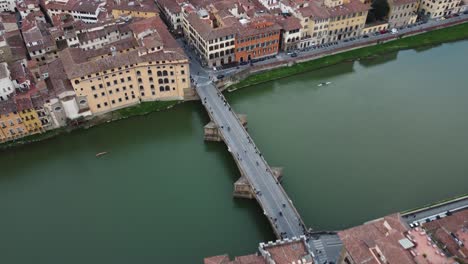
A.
pixel 319 251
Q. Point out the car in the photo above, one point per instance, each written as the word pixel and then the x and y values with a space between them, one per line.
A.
pixel 394 31
pixel 294 55
pixel 244 63
pixel 220 76
pixel 365 36
pixel 290 53
pixel 346 40
pixel 456 15
pixel 466 12
pixel 384 31
pixel 376 33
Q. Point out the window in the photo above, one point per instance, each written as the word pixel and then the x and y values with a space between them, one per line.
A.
pixel 98 106
pixel 100 85
pixel 129 78
pixel 93 88
pixel 115 81
pixel 122 80
pixel 161 88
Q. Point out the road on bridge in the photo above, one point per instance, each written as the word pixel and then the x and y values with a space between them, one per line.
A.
pixel 271 196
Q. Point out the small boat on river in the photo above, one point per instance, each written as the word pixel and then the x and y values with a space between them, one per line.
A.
pixel 101 154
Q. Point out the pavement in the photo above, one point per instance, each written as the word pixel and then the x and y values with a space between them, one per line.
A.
pixel 432 212
pixel 342 45
pixel 270 194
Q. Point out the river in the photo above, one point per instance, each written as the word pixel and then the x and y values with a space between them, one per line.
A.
pixel 386 135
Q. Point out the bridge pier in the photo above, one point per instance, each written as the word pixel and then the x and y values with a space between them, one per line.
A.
pixel 212 132
pixel 242 188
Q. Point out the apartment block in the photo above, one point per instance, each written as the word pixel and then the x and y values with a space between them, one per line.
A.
pixel 438 8
pixel 133 8
pixel 89 11
pixel 171 11
pixel 257 38
pixel 116 76
pixel 212 37
pixel 402 13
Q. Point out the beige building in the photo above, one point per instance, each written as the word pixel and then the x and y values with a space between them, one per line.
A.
pixel 119 76
pixel 327 20
pixel 402 13
pixel 374 27
pixel 211 36
pixel 347 19
pixel 438 8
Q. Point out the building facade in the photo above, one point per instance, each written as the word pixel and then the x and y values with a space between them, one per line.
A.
pixel 113 79
pixel 402 13
pixel 439 8
pixel 257 40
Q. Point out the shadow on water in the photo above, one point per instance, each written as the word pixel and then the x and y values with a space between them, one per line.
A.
pixel 110 137
pixel 379 60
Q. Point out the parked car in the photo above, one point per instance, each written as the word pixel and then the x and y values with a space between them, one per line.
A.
pixel 394 31
pixel 365 36
pixel 244 63
pixel 221 76
pixel 384 31
pixel 294 55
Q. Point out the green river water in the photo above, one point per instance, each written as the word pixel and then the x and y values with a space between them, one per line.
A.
pixel 386 135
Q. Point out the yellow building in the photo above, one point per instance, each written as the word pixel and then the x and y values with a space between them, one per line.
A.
pixel 11 123
pixel 31 121
pixel 142 8
pixel 402 13
pixel 347 18
pixel 374 27
pixel 330 20
pixel 119 76
pixel 438 8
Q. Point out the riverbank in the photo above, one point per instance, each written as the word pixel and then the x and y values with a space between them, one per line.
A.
pixel 141 109
pixel 435 37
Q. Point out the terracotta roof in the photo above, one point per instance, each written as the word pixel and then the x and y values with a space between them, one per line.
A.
pixel 86 6
pixel 250 259
pixel 7 106
pixel 172 5
pixel 206 31
pixel 354 6
pixel 288 252
pixel 442 229
pixel 289 23
pixel 401 2
pixel 221 259
pixel 383 233
pixel 135 5
pixel 76 66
